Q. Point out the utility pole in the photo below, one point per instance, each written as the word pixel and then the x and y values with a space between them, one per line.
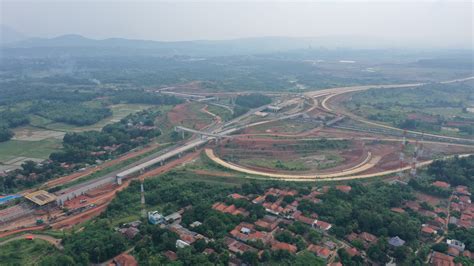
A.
pixel 142 192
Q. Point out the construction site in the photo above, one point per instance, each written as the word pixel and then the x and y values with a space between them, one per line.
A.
pixel 298 137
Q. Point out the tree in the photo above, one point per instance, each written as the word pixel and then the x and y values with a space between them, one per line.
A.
pixel 250 257
pixel 306 258
pixel 440 247
pixel 57 260
pixel 271 198
pixel 200 245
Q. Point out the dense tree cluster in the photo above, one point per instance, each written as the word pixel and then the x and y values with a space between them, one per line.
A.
pixel 252 100
pixel 30 175
pixel 366 208
pixel 71 113
pixel 138 96
pixel 132 131
pixel 8 120
pixel 458 171
pixel 455 171
pixel 15 92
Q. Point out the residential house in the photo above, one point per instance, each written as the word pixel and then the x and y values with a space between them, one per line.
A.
pixel 345 189
pixel 155 217
pixel 237 247
pixel 396 241
pixel 324 226
pixel 456 244
pixel 268 222
pixel 124 260
pixel 440 259
pixel 277 245
pixel 441 184
pixel 320 251
pixel 171 255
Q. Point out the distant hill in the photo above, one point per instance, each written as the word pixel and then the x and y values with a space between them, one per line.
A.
pixel 77 44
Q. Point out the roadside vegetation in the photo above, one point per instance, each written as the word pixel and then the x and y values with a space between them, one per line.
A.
pixel 31 252
pixel 86 148
pixel 434 108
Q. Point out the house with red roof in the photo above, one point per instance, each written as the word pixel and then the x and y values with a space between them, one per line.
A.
pixel 237 196
pixel 259 200
pixel 462 190
pixel 171 255
pixel 322 225
pixel 440 259
pixel 428 231
pixel 298 216
pixel 320 251
pixel 124 260
pixel 277 245
pixel 246 232
pixel 238 247
pixel 441 184
pixel 368 238
pixel 352 251
pixel 413 205
pixel 268 222
pixel 345 189
pixel 398 210
pixel 231 209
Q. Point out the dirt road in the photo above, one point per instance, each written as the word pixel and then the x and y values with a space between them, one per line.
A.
pixel 343 175
pixel 54 241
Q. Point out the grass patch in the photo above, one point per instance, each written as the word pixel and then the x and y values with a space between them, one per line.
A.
pixel 276 164
pixel 225 114
pixel 32 149
pixel 25 252
pixel 119 111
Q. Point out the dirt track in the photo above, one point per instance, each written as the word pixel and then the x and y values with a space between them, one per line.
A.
pixel 325 104
pixel 54 241
pixel 348 175
pixel 365 165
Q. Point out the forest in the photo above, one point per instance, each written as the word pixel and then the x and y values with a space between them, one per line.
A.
pixel 71 113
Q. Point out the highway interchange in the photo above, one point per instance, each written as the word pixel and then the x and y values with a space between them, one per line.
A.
pixel 225 129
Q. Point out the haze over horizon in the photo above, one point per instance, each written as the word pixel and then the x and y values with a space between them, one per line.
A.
pixel 431 24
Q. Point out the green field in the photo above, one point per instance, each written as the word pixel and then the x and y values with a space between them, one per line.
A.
pixel 32 149
pixel 294 165
pixel 41 149
pixel 119 111
pixel 26 252
pixel 225 114
pixel 430 108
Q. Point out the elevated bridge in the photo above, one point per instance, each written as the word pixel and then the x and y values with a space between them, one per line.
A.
pixel 198 132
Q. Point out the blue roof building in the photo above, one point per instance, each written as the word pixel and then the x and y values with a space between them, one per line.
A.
pixel 396 241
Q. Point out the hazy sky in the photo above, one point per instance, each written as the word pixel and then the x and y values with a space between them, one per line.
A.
pixel 436 23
